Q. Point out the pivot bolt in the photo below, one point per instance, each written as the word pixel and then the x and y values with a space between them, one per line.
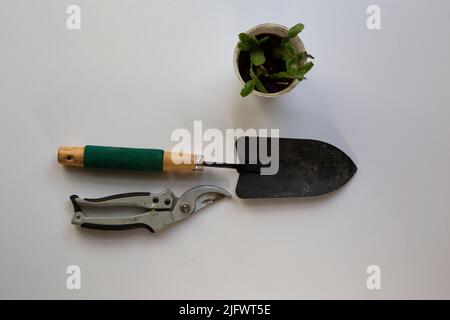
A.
pixel 185 207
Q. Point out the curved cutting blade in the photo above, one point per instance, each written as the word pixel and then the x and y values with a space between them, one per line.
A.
pixel 306 168
pixel 197 198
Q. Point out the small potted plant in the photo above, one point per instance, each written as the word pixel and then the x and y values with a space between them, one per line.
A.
pixel 271 60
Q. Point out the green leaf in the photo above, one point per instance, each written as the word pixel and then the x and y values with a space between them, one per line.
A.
pixel 253 43
pixel 288 52
pixel 243 46
pixel 292 66
pixel 304 69
pixel 264 39
pixel 286 75
pixel 243 37
pixel 295 30
pixel 249 41
pixel 257 57
pixel 248 88
pixel 297 68
pixel 280 75
pixel 304 55
pixel 258 82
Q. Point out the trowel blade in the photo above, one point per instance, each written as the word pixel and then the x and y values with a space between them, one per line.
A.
pixel 306 168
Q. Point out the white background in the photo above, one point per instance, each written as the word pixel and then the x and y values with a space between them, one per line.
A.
pixel 137 70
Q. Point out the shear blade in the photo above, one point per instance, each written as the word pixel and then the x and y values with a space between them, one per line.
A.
pixel 202 196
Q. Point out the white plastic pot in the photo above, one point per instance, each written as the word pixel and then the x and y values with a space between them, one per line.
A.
pixel 278 30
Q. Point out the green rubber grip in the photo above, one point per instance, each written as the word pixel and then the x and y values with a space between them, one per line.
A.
pixel 123 158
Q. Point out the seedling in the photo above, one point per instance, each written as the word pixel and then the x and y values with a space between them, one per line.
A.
pixel 273 61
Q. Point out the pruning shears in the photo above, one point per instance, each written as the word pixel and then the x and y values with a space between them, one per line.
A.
pixel 164 208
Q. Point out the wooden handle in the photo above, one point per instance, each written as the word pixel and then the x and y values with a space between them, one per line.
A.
pixel 178 162
pixel 153 160
pixel 71 156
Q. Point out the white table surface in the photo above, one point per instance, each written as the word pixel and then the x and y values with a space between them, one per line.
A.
pixel 137 70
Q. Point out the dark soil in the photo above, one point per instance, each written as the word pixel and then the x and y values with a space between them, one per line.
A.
pixel 273 64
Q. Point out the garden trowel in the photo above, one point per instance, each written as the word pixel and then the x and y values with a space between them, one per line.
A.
pixel 304 167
